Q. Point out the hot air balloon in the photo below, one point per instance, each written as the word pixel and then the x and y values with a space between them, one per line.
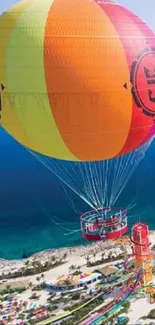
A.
pixel 78 85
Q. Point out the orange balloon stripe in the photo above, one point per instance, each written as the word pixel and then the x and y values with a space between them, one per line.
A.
pixel 83 79
pixel 134 40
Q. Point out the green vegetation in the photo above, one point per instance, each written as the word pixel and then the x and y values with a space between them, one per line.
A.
pixel 34 296
pixel 8 290
pixel 82 313
pixel 113 318
pixel 126 306
pixel 76 270
pixel 32 268
pixel 151 314
pixel 103 260
pixel 76 296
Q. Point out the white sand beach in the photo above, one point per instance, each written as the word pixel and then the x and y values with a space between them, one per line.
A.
pixel 73 256
pixel 76 256
pixel 139 308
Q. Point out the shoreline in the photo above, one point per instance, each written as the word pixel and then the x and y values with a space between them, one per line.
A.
pixel 67 255
pixel 69 249
pixel 88 248
pixel 74 255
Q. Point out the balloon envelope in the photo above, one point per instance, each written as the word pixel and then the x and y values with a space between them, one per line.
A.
pixel 77 78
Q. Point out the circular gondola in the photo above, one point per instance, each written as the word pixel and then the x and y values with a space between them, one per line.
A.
pixel 104 223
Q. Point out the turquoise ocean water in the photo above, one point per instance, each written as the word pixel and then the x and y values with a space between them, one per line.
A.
pixel 32 201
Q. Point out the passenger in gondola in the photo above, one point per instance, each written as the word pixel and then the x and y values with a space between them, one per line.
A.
pixel 96 220
pixel 112 218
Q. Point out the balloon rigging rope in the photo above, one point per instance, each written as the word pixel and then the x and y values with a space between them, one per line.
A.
pixel 99 183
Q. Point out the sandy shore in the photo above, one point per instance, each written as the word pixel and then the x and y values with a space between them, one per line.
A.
pixel 139 308
pixel 77 256
pixel 73 255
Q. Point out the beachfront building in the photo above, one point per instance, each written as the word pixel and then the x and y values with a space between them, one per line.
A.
pixel 17 286
pixel 108 272
pixel 71 283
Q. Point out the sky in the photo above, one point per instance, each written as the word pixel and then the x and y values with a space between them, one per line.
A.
pixel 145 9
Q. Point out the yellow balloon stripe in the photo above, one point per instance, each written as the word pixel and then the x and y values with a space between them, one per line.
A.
pixel 27 85
pixel 8 20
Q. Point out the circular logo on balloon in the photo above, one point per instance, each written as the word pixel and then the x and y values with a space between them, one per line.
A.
pixel 142 78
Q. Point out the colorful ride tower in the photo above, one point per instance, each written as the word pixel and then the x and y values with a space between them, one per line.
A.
pixel 142 252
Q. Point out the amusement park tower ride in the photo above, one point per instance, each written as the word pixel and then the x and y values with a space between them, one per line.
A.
pixel 142 251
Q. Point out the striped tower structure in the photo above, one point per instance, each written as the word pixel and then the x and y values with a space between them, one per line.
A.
pixel 142 252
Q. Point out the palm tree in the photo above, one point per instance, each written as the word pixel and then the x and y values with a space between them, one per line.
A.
pixel 42 276
pixel 87 260
pixel 8 287
pixel 72 267
pixel 33 263
pixel 110 255
pixel 38 266
pixel 65 256
pixel 53 259
pixel 30 285
pixel 43 282
pixel 103 256
pixel 38 280
pixel 79 268
pixel 22 269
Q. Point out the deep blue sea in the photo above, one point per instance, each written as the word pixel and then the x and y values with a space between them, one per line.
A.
pixel 31 197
